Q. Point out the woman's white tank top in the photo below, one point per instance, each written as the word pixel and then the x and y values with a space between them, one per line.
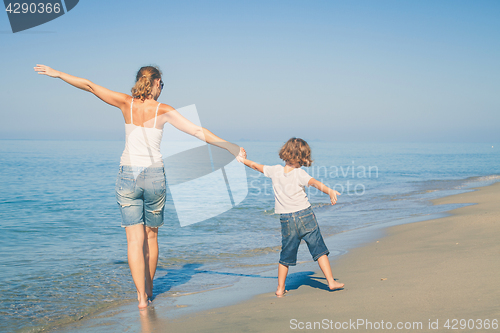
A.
pixel 142 144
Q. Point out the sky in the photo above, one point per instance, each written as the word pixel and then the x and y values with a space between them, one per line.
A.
pixel 347 71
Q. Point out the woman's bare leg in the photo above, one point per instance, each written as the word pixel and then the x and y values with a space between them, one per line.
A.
pixel 150 258
pixel 136 236
pixel 324 264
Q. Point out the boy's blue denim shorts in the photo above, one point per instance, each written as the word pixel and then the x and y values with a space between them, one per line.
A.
pixel 141 193
pixel 295 227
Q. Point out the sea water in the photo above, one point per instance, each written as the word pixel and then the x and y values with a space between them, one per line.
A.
pixel 63 253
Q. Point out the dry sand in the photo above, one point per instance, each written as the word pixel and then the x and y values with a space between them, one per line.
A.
pixel 423 272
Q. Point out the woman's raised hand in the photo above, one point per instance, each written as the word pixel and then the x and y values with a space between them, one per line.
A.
pixel 46 70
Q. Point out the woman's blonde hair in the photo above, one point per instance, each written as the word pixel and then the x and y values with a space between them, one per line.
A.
pixel 144 81
pixel 296 150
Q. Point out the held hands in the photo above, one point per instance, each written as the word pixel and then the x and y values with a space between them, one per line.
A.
pixel 46 70
pixel 333 196
pixel 242 155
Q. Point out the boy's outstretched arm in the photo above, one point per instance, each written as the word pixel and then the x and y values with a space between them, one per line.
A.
pixel 325 189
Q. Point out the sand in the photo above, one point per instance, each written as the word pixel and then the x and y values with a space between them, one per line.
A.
pixel 419 276
pixel 439 275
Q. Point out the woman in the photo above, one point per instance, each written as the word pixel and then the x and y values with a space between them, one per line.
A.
pixel 140 186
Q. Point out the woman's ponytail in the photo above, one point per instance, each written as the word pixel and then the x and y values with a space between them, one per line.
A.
pixel 145 77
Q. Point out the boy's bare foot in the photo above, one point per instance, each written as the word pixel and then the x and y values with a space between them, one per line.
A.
pixel 335 285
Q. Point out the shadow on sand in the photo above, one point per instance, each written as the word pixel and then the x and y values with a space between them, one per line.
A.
pixel 295 280
pixel 180 276
pixel 176 277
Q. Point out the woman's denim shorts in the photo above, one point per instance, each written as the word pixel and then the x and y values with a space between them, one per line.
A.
pixel 141 193
pixel 295 227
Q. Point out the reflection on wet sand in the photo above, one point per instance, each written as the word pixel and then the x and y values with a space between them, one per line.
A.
pixel 149 320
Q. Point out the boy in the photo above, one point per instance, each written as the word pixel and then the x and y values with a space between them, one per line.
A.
pixel 296 215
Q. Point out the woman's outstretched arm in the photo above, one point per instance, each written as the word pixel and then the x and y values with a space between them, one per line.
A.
pixel 111 97
pixel 181 123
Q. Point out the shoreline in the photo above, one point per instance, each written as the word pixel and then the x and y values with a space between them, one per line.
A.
pixel 238 304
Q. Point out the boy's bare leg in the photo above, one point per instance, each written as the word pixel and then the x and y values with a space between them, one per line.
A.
pixel 282 273
pixel 324 264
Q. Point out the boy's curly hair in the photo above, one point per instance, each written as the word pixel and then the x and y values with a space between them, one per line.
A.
pixel 296 150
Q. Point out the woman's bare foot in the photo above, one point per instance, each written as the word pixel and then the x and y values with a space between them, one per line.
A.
pixel 150 296
pixel 335 285
pixel 149 292
pixel 280 292
pixel 143 301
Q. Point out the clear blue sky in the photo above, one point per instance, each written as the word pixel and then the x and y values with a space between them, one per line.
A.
pixel 267 70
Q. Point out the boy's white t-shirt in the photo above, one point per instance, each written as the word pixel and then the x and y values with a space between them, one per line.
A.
pixel 289 188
